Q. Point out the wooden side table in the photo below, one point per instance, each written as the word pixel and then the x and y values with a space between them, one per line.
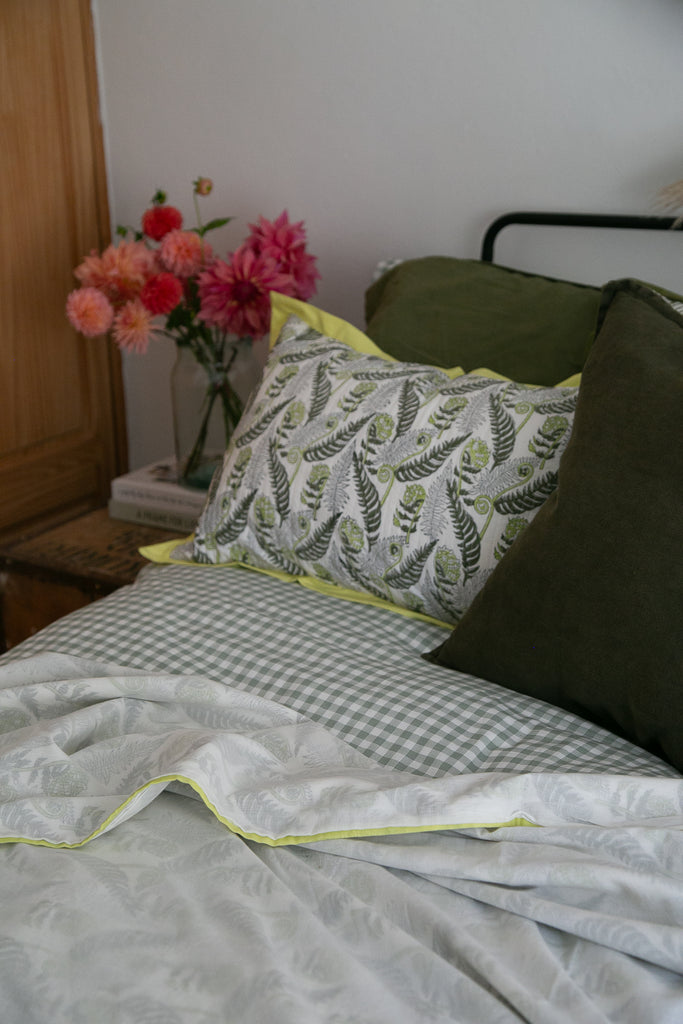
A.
pixel 45 576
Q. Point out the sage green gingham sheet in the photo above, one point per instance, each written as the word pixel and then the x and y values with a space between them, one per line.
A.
pixel 279 811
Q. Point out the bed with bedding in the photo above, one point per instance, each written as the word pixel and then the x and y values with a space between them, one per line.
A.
pixel 396 736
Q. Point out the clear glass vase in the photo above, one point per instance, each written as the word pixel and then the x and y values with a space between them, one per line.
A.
pixel 208 399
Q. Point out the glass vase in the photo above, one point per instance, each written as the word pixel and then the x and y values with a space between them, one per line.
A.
pixel 208 399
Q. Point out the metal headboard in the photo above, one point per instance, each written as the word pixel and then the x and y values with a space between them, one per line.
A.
pixel 582 220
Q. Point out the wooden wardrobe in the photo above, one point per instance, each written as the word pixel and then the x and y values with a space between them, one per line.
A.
pixel 62 423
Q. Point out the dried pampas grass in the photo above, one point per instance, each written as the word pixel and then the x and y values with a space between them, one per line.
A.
pixel 670 198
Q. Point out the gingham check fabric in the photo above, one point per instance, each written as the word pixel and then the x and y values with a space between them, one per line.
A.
pixel 354 668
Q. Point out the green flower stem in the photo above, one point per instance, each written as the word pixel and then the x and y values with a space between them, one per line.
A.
pixel 218 385
pixel 198 448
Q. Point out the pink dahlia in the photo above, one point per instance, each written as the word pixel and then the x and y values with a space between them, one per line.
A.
pixel 161 294
pixel 120 272
pixel 286 244
pixel 235 296
pixel 89 311
pixel 184 253
pixel 159 220
pixel 133 327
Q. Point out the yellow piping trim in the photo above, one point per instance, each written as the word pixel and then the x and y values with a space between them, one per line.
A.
pixel 291 840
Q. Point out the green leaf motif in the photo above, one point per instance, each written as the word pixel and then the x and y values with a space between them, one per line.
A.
pixel 282 560
pixel 408 407
pixel 513 529
pixel 363 582
pixel 558 405
pixel 426 464
pixel 281 381
pixel 408 573
pixel 316 545
pixel 443 417
pixel 300 355
pixel 466 534
pixel 332 445
pixel 407 514
pixel 350 402
pixel 384 374
pixel 473 383
pixel 279 480
pixel 502 429
pixel 548 437
pixel 261 424
pixel 528 497
pixel 368 499
pixel 321 391
pixel 236 521
pixel 311 496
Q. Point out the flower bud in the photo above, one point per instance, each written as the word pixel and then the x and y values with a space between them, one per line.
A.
pixel 203 186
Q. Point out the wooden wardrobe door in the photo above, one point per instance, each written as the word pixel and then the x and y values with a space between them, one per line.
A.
pixel 62 424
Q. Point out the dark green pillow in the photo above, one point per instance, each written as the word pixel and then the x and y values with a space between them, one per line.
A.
pixel 452 312
pixel 585 610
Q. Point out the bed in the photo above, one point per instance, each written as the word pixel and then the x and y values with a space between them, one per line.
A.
pixel 396 736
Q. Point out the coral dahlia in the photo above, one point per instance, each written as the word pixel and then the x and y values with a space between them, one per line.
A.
pixel 120 272
pixel 184 253
pixel 133 327
pixel 234 296
pixel 89 311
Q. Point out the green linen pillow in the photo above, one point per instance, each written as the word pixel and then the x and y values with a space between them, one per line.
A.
pixel 586 610
pixel 442 310
pixel 392 479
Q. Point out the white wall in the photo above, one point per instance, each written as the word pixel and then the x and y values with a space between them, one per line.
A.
pixel 392 127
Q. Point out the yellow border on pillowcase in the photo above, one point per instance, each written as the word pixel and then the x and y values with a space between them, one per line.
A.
pixel 282 307
pixel 162 554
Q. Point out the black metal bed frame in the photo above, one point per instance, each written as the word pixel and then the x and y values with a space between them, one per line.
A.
pixel 585 220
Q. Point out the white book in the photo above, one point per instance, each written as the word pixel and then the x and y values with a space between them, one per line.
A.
pixel 167 518
pixel 156 486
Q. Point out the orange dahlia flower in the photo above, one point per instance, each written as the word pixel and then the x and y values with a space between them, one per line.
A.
pixel 133 327
pixel 89 311
pixel 184 253
pixel 120 272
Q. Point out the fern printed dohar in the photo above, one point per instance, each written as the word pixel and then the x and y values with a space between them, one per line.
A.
pixel 390 478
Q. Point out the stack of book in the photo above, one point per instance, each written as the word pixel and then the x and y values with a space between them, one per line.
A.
pixel 152 495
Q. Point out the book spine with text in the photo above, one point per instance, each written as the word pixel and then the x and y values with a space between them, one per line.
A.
pixel 167 518
pixel 158 495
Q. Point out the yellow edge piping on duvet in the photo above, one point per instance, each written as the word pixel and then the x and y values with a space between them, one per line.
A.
pixel 316 837
pixel 161 554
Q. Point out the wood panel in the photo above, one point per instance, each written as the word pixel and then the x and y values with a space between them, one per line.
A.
pixel 56 571
pixel 62 433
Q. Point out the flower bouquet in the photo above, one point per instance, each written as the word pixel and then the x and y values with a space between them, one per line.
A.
pixel 166 281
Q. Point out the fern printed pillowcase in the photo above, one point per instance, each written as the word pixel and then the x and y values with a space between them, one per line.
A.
pixel 393 479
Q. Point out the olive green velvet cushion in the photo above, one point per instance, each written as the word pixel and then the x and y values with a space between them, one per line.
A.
pixel 585 610
pixel 448 312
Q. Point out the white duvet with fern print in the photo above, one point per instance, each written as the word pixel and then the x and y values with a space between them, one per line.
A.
pixel 389 478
